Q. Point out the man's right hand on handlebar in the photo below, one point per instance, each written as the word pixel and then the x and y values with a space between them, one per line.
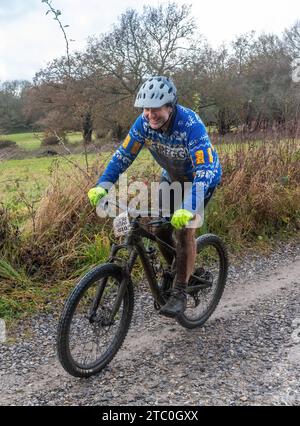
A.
pixel 95 195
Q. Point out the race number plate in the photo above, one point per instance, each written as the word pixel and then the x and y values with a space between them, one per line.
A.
pixel 121 224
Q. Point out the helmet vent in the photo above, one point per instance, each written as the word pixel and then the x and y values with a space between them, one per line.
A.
pixel 155 92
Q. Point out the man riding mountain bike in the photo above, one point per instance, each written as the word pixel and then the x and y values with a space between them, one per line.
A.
pixel 178 141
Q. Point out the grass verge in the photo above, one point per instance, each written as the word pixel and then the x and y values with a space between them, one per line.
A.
pixel 257 204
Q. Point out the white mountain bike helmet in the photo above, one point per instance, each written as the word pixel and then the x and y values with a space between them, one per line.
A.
pixel 156 92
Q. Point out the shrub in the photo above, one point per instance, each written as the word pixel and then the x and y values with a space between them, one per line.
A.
pixel 259 196
pixel 50 140
pixel 260 192
pixel 6 143
pixel 53 139
pixel 63 219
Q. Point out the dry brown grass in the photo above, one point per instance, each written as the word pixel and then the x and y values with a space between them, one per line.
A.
pixel 63 218
pixel 259 196
pixel 9 233
pixel 260 191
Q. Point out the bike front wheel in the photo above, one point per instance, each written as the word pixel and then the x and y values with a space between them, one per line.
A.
pixel 205 290
pixel 88 336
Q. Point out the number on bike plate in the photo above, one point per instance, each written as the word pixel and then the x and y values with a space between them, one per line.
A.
pixel 121 224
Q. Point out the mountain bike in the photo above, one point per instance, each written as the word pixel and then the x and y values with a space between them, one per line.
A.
pixel 97 314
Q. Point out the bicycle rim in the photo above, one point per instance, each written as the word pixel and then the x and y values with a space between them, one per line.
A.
pixel 88 336
pixel 211 265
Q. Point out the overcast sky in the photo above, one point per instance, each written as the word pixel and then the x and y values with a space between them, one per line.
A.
pixel 29 39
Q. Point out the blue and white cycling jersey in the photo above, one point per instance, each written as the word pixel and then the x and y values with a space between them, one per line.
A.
pixel 184 152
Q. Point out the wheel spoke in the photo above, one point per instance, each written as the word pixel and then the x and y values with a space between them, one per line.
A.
pixel 207 282
pixel 92 338
pixel 95 337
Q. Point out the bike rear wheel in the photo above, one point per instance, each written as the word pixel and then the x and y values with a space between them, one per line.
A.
pixel 211 267
pixel 88 336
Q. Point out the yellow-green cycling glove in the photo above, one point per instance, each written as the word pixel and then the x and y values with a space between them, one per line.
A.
pixel 181 218
pixel 95 195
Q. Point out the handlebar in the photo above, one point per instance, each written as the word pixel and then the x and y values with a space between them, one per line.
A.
pixel 104 206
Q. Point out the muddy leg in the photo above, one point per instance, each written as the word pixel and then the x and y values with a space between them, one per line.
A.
pixel 185 254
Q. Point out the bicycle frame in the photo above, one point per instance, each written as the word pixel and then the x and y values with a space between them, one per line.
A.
pixel 135 244
pixel 137 248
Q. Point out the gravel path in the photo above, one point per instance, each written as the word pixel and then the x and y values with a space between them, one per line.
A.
pixel 248 353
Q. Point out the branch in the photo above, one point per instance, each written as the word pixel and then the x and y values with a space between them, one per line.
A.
pixel 56 14
pixel 74 163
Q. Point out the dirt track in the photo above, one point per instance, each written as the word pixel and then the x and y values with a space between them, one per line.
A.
pixel 248 353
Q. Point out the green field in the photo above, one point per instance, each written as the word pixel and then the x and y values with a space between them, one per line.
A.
pixel 31 176
pixel 32 141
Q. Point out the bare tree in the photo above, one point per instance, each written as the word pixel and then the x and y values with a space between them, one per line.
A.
pixel 244 83
pixel 155 41
pixel 168 42
pixel 292 40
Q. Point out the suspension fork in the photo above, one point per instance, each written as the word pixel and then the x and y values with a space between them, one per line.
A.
pixel 126 277
pixel 114 249
pixel 119 298
pixel 97 299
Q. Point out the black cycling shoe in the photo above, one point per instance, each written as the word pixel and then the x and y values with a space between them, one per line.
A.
pixel 176 303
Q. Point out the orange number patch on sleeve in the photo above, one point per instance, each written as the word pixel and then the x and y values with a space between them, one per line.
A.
pixel 199 157
pixel 126 141
pixel 135 148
